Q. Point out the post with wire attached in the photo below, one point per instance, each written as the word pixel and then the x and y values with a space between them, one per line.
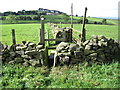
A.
pixel 13 37
pixel 83 35
pixel 72 15
pixel 70 35
pixel 42 36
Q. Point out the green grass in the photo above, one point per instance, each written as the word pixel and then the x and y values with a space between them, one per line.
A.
pixel 30 32
pixel 110 31
pixel 24 32
pixel 75 76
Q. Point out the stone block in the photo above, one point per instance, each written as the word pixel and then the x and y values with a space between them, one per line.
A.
pixel 39 47
pixel 86 42
pixel 88 47
pixel 64 54
pixel 32 44
pixel 101 37
pixel 64 59
pixel 32 52
pixel 34 62
pixel 62 45
pixel 73 47
pixel 25 64
pixel 12 54
pixel 94 37
pixel 93 55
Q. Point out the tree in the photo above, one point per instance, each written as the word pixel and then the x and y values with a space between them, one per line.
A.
pixel 86 21
pixel 104 21
pixel 80 21
pixel 3 18
pixel 76 15
pixel 12 18
pixel 28 18
pixel 24 12
pixel 95 22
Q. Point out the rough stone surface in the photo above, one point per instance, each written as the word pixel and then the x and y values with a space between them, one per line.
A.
pixel 22 53
pixel 98 49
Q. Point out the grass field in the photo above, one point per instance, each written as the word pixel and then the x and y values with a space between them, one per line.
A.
pixel 110 31
pixel 76 76
pixel 30 32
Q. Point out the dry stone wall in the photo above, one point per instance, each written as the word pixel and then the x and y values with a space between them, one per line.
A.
pixel 96 50
pixel 60 32
pixel 27 53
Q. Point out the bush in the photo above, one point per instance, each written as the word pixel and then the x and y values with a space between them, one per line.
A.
pixel 36 18
pixel 104 21
pixel 28 18
pixel 95 22
pixel 81 21
pixel 2 18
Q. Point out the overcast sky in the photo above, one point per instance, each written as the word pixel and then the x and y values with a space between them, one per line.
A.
pixel 96 8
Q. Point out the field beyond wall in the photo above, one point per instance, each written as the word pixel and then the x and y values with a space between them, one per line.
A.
pixel 30 32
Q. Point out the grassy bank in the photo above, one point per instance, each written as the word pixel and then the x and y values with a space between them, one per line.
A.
pixel 110 31
pixel 77 76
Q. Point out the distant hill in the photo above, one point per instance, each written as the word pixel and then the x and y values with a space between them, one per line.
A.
pixel 53 16
pixel 40 11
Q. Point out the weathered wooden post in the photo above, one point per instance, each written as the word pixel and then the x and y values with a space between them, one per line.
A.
pixel 70 35
pixel 60 25
pixel 13 37
pixel 64 36
pixel 45 62
pixel 47 32
pixel 72 15
pixel 83 35
pixel 42 36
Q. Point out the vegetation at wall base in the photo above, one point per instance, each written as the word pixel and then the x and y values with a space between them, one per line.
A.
pixel 75 76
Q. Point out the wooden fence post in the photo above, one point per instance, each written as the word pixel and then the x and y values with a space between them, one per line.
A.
pixel 47 32
pixel 60 25
pixel 70 35
pixel 72 15
pixel 46 56
pixel 13 37
pixel 64 36
pixel 83 36
pixel 42 36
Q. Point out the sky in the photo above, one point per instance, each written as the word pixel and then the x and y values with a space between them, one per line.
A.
pixel 96 8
